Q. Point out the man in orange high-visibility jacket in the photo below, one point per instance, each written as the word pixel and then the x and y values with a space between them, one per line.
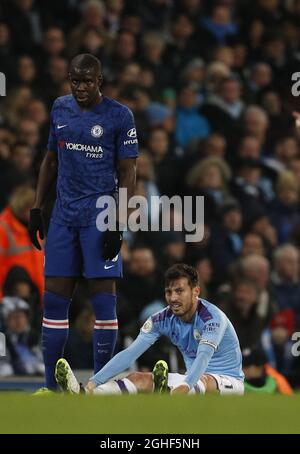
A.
pixel 15 244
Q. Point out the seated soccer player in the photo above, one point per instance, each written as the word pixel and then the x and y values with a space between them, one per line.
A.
pixel 202 333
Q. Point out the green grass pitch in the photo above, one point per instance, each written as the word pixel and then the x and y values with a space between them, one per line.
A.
pixel 24 413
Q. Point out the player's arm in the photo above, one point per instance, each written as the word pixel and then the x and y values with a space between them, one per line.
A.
pixel 47 175
pixel 127 150
pixel 204 354
pixel 212 334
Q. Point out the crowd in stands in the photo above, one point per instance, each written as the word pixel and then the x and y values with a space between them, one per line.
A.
pixel 210 86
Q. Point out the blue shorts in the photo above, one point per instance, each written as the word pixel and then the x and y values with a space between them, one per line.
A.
pixel 77 251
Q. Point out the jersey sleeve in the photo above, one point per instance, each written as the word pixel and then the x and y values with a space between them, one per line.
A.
pixel 150 331
pixel 52 140
pixel 127 142
pixel 213 331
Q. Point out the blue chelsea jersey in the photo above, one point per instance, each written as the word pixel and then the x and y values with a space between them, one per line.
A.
pixel 208 326
pixel 88 144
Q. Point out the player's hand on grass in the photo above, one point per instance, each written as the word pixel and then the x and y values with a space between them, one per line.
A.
pixel 181 389
pixel 112 243
pixel 89 388
pixel 36 224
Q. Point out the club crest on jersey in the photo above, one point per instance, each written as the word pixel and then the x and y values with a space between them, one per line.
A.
pixel 197 335
pixel 97 131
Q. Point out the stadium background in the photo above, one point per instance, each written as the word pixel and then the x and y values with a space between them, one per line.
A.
pixel 209 83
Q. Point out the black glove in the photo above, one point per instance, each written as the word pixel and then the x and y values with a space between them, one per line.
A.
pixel 112 243
pixel 36 224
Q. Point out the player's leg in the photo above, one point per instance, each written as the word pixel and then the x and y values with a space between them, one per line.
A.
pixel 207 384
pixel 136 382
pixel 57 299
pixel 224 384
pixel 103 298
pixel 62 264
pixel 101 277
pixel 175 380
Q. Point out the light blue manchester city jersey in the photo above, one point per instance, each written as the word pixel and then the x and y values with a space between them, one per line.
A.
pixel 209 326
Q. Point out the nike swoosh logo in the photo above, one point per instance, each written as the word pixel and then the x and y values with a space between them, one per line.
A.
pixel 61 126
pixel 107 267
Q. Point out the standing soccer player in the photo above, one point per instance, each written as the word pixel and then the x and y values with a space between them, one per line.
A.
pixel 92 151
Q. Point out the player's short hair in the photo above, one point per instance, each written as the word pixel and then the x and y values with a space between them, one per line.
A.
pixel 86 61
pixel 182 270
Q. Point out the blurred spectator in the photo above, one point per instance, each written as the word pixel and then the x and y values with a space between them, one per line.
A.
pixel 173 249
pixel 26 71
pixel 284 211
pixel 257 269
pixel 16 247
pixel 165 163
pixel 205 272
pixel 23 354
pixel 260 77
pixel 277 343
pixel 18 283
pixel 260 377
pixel 226 238
pixel 10 177
pixel 252 244
pixel 24 20
pixel 250 187
pixel 242 311
pixel 53 45
pixel 28 132
pixel 216 28
pixel 15 105
pixel 190 124
pixel 285 278
pixel 209 178
pixel 256 124
pixel 224 108
pixel 152 49
pixel 143 282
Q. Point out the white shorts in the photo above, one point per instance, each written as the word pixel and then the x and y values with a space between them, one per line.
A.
pixel 225 383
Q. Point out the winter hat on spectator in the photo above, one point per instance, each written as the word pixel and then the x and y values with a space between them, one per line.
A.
pixel 253 356
pixel 157 113
pixel 11 304
pixel 231 204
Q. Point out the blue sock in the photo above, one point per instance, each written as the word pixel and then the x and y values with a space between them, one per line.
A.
pixel 54 334
pixel 105 329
